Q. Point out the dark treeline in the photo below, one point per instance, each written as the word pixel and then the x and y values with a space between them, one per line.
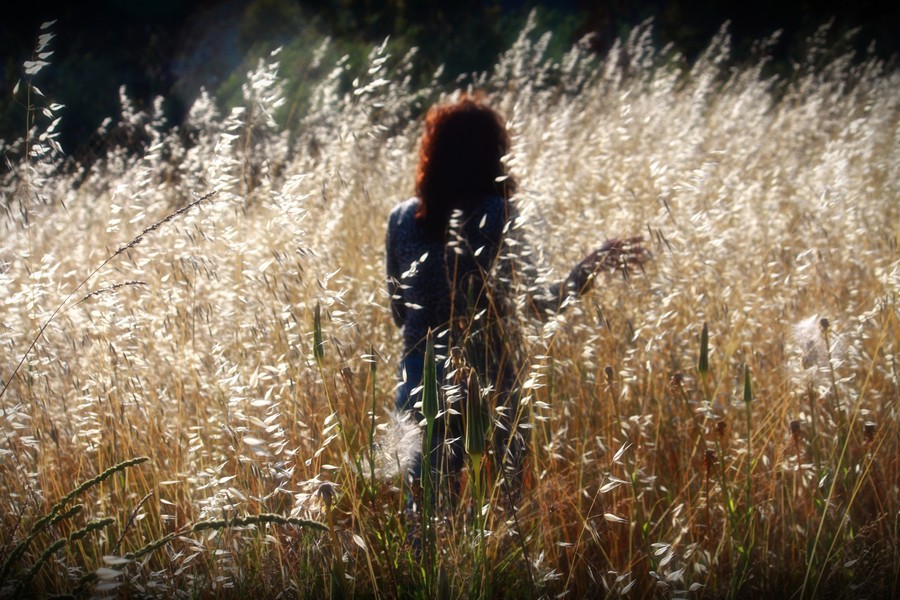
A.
pixel 172 48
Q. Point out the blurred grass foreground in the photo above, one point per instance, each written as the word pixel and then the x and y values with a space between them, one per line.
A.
pixel 197 356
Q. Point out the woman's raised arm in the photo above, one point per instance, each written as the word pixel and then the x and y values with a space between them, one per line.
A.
pixel 516 270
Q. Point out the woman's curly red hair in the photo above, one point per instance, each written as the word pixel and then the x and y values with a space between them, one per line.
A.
pixel 460 160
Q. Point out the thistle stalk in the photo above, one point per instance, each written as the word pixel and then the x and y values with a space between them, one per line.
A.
pixel 430 412
pixel 338 579
pixel 475 446
pixel 373 370
pixel 748 398
pixel 747 544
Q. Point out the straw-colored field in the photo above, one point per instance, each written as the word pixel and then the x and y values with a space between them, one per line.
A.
pixel 769 205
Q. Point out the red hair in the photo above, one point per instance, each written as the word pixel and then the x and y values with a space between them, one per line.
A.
pixel 460 160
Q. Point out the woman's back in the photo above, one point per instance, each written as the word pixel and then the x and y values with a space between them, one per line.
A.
pixel 435 278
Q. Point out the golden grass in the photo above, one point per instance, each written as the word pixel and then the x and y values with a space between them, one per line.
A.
pixel 769 205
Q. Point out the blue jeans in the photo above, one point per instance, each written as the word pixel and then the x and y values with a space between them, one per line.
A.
pixel 414 365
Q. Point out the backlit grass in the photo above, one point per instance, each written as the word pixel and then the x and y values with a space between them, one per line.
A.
pixel 771 208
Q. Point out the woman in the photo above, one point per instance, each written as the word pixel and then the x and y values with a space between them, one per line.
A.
pixel 454 259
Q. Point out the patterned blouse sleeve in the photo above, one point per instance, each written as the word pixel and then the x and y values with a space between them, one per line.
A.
pixel 395 290
pixel 518 275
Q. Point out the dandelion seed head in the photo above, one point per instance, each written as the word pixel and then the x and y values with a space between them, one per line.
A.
pixel 398 445
pixel 816 348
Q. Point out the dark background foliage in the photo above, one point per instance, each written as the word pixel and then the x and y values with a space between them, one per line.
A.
pixel 171 48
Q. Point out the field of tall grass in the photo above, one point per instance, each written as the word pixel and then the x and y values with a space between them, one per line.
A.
pixel 197 354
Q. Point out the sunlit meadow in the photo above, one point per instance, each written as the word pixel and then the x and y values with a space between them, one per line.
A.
pixel 722 424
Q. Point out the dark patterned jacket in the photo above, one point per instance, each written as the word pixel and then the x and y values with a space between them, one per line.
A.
pixel 467 283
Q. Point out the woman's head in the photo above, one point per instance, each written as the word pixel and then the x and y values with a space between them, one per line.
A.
pixel 460 159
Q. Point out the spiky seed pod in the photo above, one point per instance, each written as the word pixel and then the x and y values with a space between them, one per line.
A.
pixel 154 545
pixel 748 390
pixel 327 492
pixel 87 485
pixel 91 527
pixel 721 428
pixel 318 344
pixel 43 558
pixel 608 372
pixel 68 514
pixel 474 419
pixel 869 430
pixel 703 363
pixel 709 461
pixel 456 357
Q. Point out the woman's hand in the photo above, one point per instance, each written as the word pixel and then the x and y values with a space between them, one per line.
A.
pixel 613 255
